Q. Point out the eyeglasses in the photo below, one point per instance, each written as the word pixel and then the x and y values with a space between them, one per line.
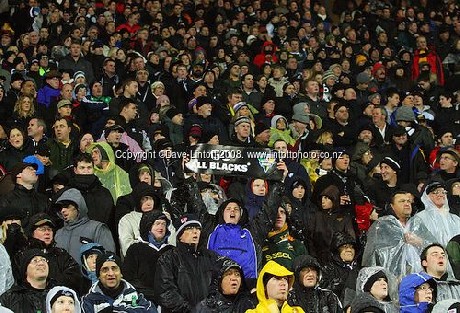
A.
pixel 35 261
pixel 425 288
pixel 439 192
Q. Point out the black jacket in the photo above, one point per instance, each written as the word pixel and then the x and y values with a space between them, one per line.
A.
pixel 139 266
pixel 29 202
pixel 312 300
pixel 63 269
pixel 183 276
pixel 24 299
pixel 98 198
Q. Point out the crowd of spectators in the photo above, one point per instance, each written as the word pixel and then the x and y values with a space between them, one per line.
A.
pixel 102 101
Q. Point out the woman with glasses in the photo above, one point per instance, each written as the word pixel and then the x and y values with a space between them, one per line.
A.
pixel 417 293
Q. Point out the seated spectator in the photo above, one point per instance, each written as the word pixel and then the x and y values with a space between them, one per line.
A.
pixel 78 227
pixel 112 293
pixel 141 257
pixel 327 220
pixel 6 273
pixel 112 177
pixel 273 286
pixel 306 292
pixel 24 197
pixel 417 293
pixel 30 292
pixel 62 299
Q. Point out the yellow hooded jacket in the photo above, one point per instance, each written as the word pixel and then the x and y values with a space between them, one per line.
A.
pixel 269 305
pixel 114 178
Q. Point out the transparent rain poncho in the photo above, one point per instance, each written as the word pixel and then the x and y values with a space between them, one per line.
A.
pixel 387 245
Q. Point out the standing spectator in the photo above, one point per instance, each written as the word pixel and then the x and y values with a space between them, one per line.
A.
pixel 141 257
pixel 62 147
pixel 306 292
pixel 180 290
pixel 74 61
pixel 272 290
pixel 424 55
pixel 30 292
pixel 73 211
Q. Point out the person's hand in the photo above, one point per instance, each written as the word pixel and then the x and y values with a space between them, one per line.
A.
pixel 374 215
pixel 281 166
pixel 413 239
pixel 345 199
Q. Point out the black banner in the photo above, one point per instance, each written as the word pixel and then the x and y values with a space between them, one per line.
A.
pixel 234 161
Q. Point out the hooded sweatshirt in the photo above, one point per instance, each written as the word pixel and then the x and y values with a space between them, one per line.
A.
pixel 269 305
pixel 69 237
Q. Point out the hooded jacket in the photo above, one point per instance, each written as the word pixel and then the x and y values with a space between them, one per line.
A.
pixel 69 237
pixel 88 277
pixel 316 299
pixel 235 241
pixel 439 221
pixel 325 223
pixel 216 302
pixel 128 227
pixel 266 305
pixel 139 265
pixel 114 178
pixel 54 291
pixel 407 289
pixel 365 274
pixel 263 57
pixel 339 275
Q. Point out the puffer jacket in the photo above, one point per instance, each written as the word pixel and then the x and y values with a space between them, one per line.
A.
pixel 129 300
pixel 267 305
pixel 316 299
pixel 69 237
pixel 183 276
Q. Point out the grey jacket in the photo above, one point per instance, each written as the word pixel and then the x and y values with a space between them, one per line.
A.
pixel 69 237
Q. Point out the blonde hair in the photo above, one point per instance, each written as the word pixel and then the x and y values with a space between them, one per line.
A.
pixel 323 137
pixel 18 106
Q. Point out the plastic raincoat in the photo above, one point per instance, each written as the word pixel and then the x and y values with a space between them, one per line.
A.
pixel 114 178
pixel 269 305
pixel 407 290
pixel 6 273
pixel 439 221
pixel 366 273
pixel 386 245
